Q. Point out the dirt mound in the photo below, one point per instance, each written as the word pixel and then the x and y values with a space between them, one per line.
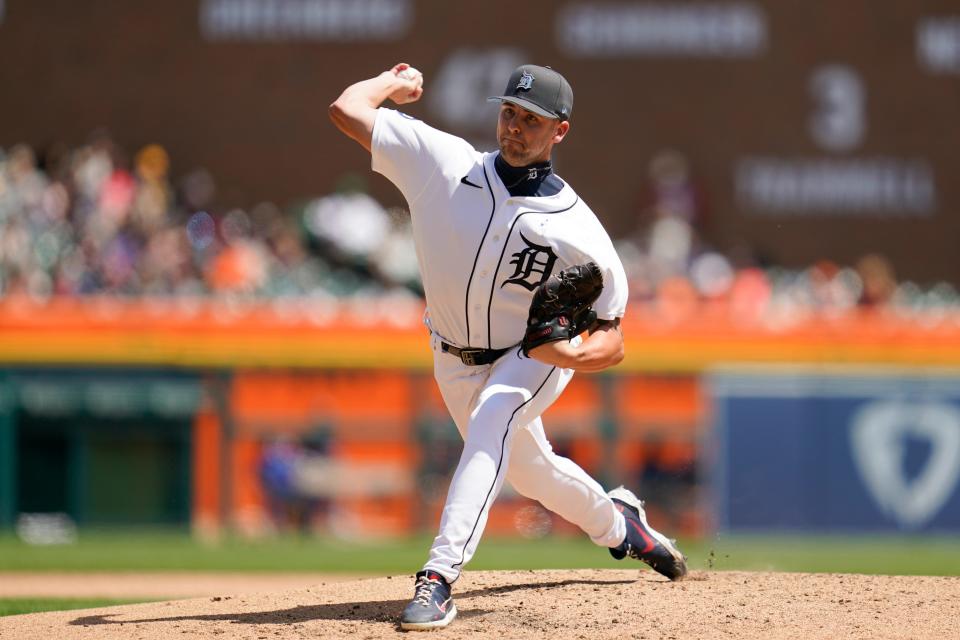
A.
pixel 157 585
pixel 537 604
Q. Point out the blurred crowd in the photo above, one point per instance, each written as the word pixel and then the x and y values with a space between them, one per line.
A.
pixel 88 221
pixel 85 221
pixel 672 267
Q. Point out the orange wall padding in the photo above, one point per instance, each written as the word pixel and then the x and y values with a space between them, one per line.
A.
pixel 349 402
pixel 206 469
pixel 671 400
pixel 205 333
pixel 247 492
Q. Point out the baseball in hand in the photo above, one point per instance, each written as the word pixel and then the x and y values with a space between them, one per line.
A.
pixel 410 73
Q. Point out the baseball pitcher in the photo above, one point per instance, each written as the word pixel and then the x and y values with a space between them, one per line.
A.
pixel 523 288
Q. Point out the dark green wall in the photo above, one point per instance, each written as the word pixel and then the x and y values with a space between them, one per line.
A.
pixel 103 446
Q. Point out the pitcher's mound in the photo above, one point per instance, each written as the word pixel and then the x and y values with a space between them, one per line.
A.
pixel 546 604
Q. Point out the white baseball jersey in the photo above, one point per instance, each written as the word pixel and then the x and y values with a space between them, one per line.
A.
pixel 482 252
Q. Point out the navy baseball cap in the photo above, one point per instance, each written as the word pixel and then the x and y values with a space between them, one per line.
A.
pixel 539 89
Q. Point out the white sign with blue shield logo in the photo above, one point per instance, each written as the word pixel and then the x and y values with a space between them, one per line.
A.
pixel 878 434
pixel 835 450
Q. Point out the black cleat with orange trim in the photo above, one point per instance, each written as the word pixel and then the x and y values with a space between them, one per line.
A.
pixel 643 542
pixel 432 606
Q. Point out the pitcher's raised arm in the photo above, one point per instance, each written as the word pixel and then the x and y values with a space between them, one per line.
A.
pixel 355 111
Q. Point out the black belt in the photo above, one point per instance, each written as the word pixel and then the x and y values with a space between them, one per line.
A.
pixel 473 357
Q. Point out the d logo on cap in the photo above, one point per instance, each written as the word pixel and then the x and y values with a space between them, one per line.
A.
pixel 551 97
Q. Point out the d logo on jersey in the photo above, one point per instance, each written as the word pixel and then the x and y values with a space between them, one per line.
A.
pixel 526 81
pixel 533 265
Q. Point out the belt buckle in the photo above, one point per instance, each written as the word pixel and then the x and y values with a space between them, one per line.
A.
pixel 469 356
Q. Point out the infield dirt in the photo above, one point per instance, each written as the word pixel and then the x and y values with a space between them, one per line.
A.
pixel 546 604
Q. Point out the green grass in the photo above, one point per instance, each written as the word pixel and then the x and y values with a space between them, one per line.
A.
pixel 894 555
pixel 168 551
pixel 15 606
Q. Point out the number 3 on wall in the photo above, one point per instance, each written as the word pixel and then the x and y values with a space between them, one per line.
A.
pixel 839 121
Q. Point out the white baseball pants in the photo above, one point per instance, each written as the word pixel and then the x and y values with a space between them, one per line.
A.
pixel 497 410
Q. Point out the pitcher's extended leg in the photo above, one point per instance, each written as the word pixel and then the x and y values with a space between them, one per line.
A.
pixel 562 486
pixel 517 392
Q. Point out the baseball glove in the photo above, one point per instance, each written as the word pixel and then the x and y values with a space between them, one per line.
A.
pixel 561 306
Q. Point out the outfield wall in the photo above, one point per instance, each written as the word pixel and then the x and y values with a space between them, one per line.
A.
pixel 831 449
pixel 321 417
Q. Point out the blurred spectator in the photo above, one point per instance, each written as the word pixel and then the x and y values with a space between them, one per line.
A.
pixel 153 196
pixel 749 294
pixel 349 221
pixel 671 192
pixel 395 260
pixel 290 507
pixel 671 215
pixel 712 275
pixel 372 247
pixel 877 278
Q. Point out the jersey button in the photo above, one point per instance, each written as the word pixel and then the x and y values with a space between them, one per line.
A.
pixel 483 274
pixel 496 238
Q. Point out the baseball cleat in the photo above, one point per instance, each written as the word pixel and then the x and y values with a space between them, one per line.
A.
pixel 432 606
pixel 643 542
